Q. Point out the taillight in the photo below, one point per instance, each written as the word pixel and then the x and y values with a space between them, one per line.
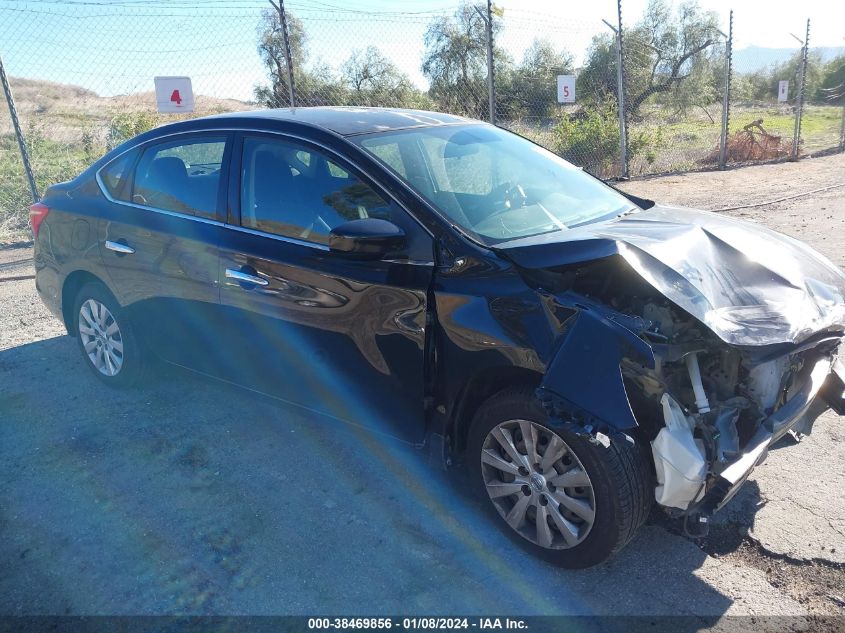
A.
pixel 37 213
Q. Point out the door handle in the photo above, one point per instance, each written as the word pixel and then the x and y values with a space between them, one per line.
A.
pixel 118 247
pixel 243 277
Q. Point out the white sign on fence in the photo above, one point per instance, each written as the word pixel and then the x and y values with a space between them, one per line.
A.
pixel 174 94
pixel 566 88
pixel 783 90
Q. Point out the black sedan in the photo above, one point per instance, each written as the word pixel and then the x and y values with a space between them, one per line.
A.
pixel 584 353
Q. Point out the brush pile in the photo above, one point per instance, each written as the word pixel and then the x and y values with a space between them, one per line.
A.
pixel 752 143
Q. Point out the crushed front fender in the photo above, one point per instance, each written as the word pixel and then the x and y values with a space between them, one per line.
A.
pixel 583 383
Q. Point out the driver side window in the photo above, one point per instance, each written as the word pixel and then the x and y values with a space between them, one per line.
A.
pixel 288 189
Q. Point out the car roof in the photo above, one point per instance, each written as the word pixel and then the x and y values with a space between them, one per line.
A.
pixel 349 121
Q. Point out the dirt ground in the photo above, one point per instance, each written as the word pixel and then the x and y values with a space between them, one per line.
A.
pixel 192 497
pixel 818 219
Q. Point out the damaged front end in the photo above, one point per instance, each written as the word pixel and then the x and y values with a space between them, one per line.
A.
pixel 670 334
pixel 722 406
pixel 709 410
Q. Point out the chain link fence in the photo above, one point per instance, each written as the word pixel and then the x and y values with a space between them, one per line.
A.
pixel 82 71
pixel 762 108
pixel 586 132
pixel 15 196
pixel 677 129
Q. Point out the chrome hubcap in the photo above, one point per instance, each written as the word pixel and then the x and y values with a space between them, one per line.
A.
pixel 538 484
pixel 101 337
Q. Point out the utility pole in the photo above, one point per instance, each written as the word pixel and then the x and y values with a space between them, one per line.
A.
pixel 726 103
pixel 13 112
pixel 283 21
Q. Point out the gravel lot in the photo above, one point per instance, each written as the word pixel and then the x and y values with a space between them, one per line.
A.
pixel 195 497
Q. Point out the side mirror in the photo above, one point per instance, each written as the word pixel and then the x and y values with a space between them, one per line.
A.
pixel 367 238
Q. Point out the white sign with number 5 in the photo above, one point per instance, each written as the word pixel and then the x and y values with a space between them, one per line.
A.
pixel 566 88
pixel 174 94
pixel 783 90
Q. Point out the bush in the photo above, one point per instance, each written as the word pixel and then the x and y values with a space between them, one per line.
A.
pixel 590 139
pixel 125 125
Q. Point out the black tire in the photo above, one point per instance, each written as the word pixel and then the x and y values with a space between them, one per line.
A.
pixel 622 488
pixel 131 370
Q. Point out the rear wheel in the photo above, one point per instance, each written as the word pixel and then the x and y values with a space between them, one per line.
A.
pixel 106 337
pixel 562 497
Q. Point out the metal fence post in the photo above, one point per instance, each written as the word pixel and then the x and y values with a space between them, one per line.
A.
pixel 283 21
pixel 842 133
pixel 491 83
pixel 726 104
pixel 620 88
pixel 18 133
pixel 620 99
pixel 487 18
pixel 799 106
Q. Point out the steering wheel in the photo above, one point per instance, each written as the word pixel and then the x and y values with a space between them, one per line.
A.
pixel 510 196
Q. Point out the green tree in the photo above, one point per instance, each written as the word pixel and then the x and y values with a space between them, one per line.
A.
pixel 702 88
pixel 373 80
pixel 596 83
pixel 315 85
pixel 753 86
pixel 455 61
pixel 762 85
pixel 669 57
pixel 530 90
pixel 832 87
pixel 791 70
pixel 664 48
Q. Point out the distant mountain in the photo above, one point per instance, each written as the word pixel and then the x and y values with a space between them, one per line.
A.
pixel 754 58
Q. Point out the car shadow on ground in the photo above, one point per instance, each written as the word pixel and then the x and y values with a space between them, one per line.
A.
pixel 191 496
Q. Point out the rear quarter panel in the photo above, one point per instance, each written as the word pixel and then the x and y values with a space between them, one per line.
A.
pixel 68 239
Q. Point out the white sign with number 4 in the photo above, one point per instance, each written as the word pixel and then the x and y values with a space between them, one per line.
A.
pixel 174 94
pixel 566 88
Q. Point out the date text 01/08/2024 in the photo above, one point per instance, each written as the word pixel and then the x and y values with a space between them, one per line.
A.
pixel 430 623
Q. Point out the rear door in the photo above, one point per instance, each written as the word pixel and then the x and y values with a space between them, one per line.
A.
pixel 342 336
pixel 160 240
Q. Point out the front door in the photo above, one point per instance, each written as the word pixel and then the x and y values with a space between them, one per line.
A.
pixel 338 335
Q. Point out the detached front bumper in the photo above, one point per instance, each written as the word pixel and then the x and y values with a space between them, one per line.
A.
pixel 824 389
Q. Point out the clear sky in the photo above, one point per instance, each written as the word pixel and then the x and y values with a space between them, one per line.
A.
pixel 118 46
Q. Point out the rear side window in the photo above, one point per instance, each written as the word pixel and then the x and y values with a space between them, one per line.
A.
pixel 181 176
pixel 293 191
pixel 115 175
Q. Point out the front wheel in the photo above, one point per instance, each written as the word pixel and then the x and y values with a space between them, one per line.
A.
pixel 106 338
pixel 564 498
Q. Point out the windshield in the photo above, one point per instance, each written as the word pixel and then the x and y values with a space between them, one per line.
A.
pixel 495 185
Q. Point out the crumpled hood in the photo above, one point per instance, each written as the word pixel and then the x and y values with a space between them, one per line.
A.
pixel 748 284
